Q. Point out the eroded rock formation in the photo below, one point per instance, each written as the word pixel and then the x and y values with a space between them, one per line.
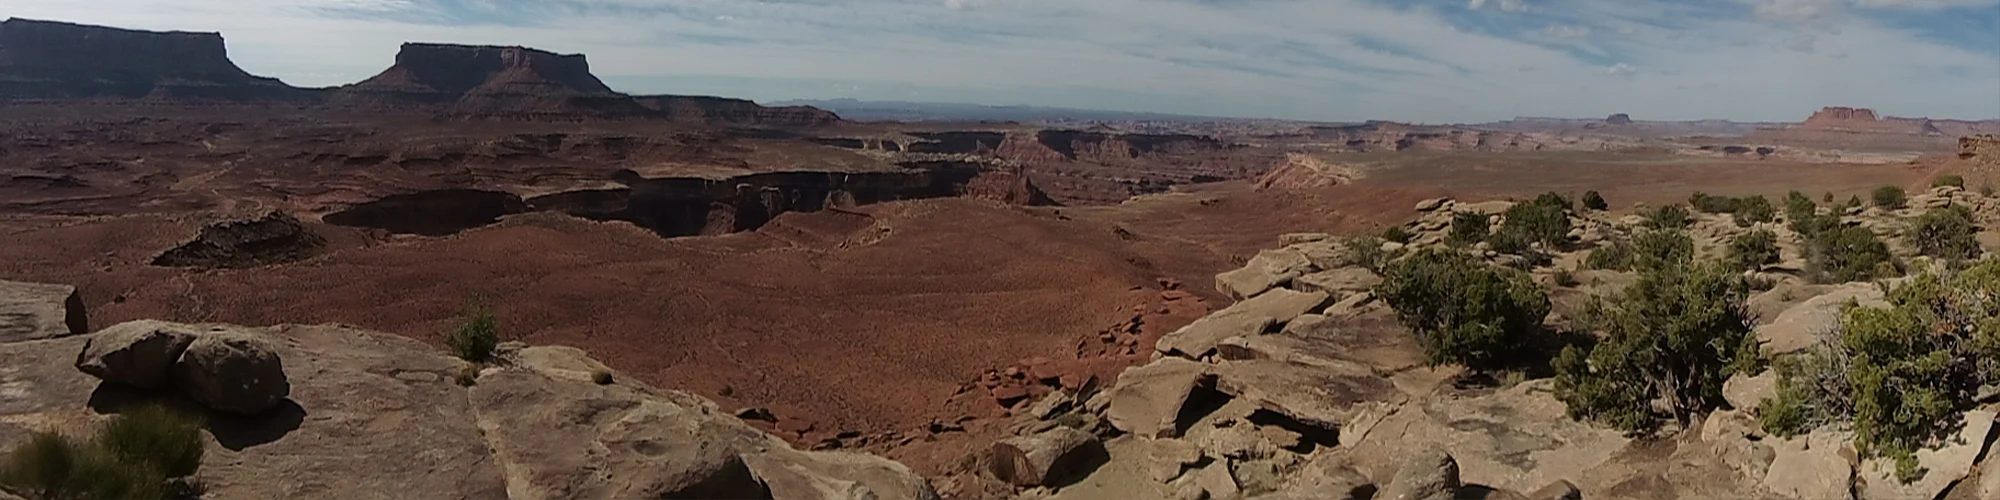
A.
pixel 709 110
pixel 489 81
pixel 271 238
pixel 54 60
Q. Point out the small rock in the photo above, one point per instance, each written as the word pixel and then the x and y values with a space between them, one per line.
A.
pixel 1562 489
pixel 1746 392
pixel 233 371
pixel 1426 474
pixel 1215 479
pixel 1391 246
pixel 753 413
pixel 136 353
pixel 1431 204
pixel 1007 395
pixel 1045 458
pixel 1055 403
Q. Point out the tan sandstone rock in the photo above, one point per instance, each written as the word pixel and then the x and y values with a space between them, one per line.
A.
pixel 1425 474
pixel 232 369
pixel 1811 467
pixel 1046 458
pixel 1801 326
pixel 136 353
pixel 1249 317
pixel 33 311
pixel 1147 399
pixel 1942 466
pixel 1270 268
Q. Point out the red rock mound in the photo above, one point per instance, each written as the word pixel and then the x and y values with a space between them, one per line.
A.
pixel 1300 171
pixel 56 60
pixel 489 81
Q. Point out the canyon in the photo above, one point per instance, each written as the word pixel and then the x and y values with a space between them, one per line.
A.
pixel 919 291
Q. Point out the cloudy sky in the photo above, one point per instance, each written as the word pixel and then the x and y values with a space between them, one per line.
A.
pixel 1414 60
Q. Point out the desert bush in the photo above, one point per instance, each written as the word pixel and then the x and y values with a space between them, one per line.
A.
pixel 1366 252
pixel 477 336
pixel 131 456
pixel 1827 198
pixel 1553 199
pixel 1711 204
pixel 1661 249
pixel 1852 201
pixel 1594 201
pixel 1674 335
pixel 1615 256
pixel 155 436
pixel 1847 253
pixel 1903 373
pixel 1889 197
pixel 1545 221
pixel 1398 234
pixel 1752 210
pixel 1945 233
pixel 1462 310
pixel 1468 228
pixel 1668 217
pixel 1753 250
pixel 1953 180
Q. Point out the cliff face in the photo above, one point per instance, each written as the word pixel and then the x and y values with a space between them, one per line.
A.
pixel 1847 119
pixel 489 81
pixel 50 60
pixel 707 110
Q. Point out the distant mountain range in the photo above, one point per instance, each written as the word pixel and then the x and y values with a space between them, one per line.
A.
pixel 854 109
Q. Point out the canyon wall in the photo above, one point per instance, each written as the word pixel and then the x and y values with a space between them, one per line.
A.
pixel 707 110
pixel 57 60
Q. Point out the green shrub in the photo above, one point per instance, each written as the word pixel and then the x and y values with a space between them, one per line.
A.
pixel 155 436
pixel 1675 335
pixel 1952 180
pixel 1552 199
pixel 1462 310
pixel 1889 197
pixel 1661 249
pixel 1812 391
pixel 1712 204
pixel 1752 210
pixel 1398 234
pixel 1668 217
pixel 1795 199
pixel 1827 198
pixel 1594 201
pixel 1852 201
pixel 477 336
pixel 1753 250
pixel 1545 221
pixel 1366 252
pixel 1945 233
pixel 1846 253
pixel 133 455
pixel 1468 228
pixel 1616 256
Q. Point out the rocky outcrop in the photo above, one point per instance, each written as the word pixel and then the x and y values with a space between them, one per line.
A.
pixel 272 238
pixel 232 371
pixel 1984 147
pixel 1841 118
pixel 58 60
pixel 1303 171
pixel 706 110
pixel 1011 185
pixel 1618 119
pixel 34 311
pixel 533 425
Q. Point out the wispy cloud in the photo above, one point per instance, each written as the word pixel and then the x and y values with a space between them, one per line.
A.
pixel 1423 60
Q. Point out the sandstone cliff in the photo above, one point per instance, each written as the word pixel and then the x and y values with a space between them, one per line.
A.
pixel 52 60
pixel 1841 118
pixel 488 80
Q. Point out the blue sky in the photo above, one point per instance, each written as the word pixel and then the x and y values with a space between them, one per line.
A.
pixel 1413 60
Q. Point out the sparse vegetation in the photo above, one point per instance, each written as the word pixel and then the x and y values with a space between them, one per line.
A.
pixel 1848 253
pixel 1616 256
pixel 1889 197
pixel 1566 278
pixel 477 336
pixel 1468 228
pixel 1594 201
pixel 1545 221
pixel 1945 233
pixel 1668 217
pixel 1753 210
pixel 1827 198
pixel 1904 373
pixel 1986 190
pixel 1953 180
pixel 1463 310
pixel 1753 250
pixel 1397 234
pixel 134 455
pixel 1661 249
pixel 467 375
pixel 1367 252
pixel 1674 335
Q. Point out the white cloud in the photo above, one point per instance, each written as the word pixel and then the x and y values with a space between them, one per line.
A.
pixel 1567 32
pixel 1325 59
pixel 1925 4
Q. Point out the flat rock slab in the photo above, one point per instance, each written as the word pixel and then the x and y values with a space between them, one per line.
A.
pixel 1800 326
pixel 1249 317
pixel 1322 395
pixel 1943 466
pixel 1147 399
pixel 1374 340
pixel 1337 282
pixel 1270 268
pixel 31 311
pixel 1518 439
pixel 1812 467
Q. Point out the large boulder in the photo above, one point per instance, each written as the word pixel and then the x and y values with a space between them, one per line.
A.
pixel 1147 400
pixel 1516 439
pixel 1270 268
pixel 1426 474
pixel 1801 326
pixel 1250 317
pixel 34 311
pixel 1745 392
pixel 1046 458
pixel 135 353
pixel 232 370
pixel 1812 467
pixel 1319 395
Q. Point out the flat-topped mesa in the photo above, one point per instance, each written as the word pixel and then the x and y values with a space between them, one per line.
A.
pixel 55 60
pixel 489 80
pixel 1865 120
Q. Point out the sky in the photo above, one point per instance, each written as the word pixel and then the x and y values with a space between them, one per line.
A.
pixel 1431 61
